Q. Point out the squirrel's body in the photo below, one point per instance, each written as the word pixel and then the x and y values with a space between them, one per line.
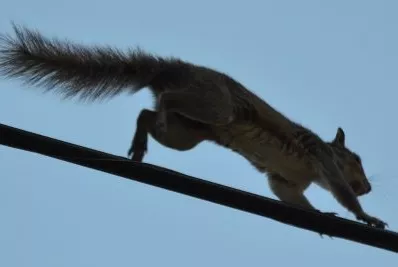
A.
pixel 194 104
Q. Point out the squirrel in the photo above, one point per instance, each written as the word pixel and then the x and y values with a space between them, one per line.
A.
pixel 193 104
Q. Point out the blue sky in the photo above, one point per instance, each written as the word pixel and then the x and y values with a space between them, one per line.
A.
pixel 324 64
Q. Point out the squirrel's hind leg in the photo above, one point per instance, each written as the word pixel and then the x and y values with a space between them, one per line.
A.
pixel 180 135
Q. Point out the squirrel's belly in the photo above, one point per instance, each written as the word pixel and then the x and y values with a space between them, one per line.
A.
pixel 274 159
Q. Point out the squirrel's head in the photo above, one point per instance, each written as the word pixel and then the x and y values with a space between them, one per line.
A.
pixel 350 164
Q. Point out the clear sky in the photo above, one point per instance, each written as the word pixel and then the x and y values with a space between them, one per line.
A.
pixel 323 63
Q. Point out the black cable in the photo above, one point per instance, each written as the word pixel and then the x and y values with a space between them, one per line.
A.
pixel 198 188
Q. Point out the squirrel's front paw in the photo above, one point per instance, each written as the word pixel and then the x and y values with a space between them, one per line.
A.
pixel 372 221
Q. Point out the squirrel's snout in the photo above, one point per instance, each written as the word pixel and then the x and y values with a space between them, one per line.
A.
pixel 361 188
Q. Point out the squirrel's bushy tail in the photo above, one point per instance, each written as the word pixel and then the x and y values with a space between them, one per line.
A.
pixel 75 70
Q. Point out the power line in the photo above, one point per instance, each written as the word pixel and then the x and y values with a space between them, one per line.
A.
pixel 199 188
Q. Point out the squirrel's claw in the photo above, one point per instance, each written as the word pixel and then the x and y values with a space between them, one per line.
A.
pixel 372 221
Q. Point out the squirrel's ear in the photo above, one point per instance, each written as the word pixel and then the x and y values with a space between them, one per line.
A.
pixel 340 137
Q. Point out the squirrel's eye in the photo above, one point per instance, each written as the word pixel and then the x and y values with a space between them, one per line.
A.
pixel 357 158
